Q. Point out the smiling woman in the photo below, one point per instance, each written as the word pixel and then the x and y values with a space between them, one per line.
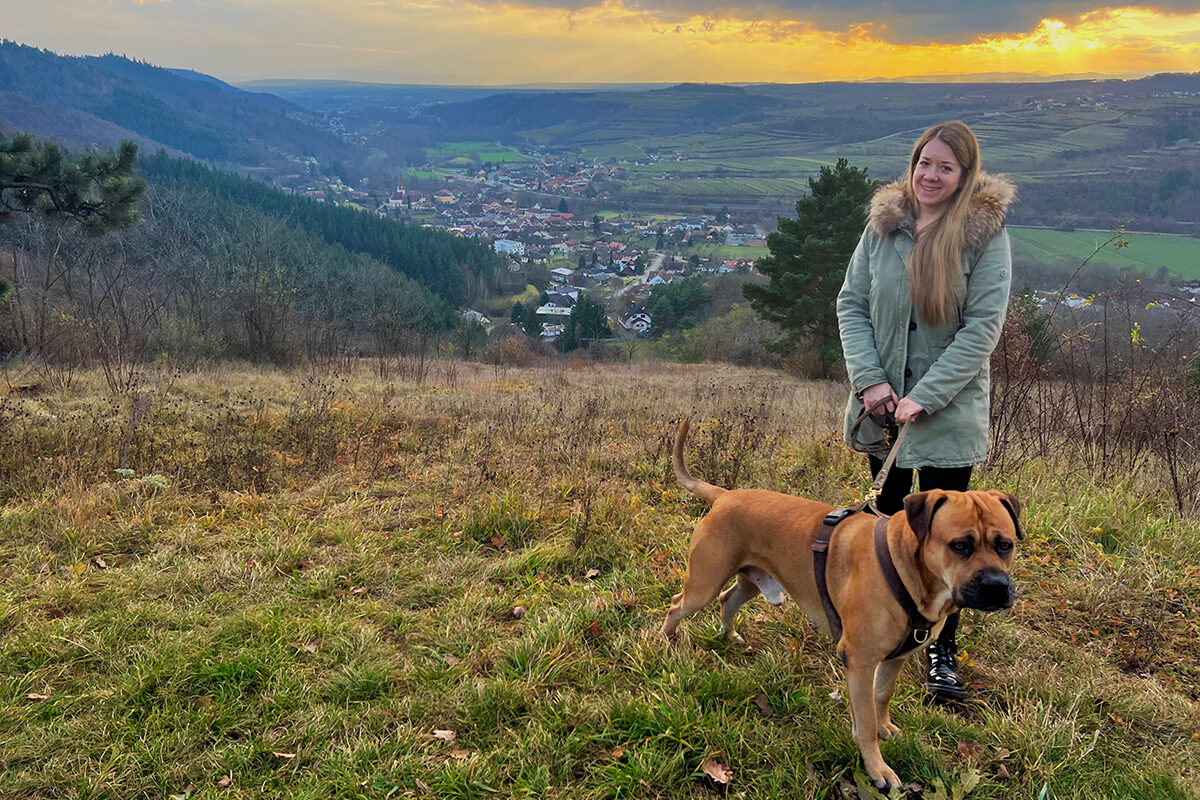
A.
pixel 920 312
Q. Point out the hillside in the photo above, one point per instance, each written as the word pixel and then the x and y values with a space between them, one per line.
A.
pixel 1086 153
pixel 98 100
pixel 323 584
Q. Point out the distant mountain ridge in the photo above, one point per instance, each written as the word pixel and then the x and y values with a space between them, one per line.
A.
pixel 99 100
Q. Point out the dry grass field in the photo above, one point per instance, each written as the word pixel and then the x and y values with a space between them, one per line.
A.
pixel 245 583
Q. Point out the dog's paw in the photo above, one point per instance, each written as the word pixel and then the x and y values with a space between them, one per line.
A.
pixel 888 730
pixel 735 637
pixel 886 780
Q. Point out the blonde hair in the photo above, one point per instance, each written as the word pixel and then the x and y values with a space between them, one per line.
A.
pixel 935 265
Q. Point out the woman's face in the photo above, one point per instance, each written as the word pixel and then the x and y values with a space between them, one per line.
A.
pixel 937 176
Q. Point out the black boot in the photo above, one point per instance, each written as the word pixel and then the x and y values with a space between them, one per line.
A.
pixel 943 681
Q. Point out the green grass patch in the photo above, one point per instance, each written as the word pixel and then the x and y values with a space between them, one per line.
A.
pixel 1145 252
pixel 453 588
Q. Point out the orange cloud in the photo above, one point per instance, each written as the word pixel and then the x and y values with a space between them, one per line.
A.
pixel 613 40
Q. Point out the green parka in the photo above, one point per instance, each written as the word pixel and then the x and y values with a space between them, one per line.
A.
pixel 943 369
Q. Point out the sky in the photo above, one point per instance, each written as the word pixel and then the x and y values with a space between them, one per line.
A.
pixel 519 42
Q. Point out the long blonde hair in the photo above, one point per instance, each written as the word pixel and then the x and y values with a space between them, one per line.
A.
pixel 935 265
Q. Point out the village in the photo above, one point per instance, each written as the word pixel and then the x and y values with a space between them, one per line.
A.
pixel 618 257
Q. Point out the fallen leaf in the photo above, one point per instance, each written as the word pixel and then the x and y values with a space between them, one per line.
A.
pixel 359 590
pixel 519 612
pixel 835 696
pixel 309 647
pixel 793 646
pixel 718 772
pixel 1002 773
pixel 764 705
pixel 969 750
pixel 592 573
pixel 618 751
pixel 445 736
pixel 498 542
pixel 452 660
pixel 202 702
pixel 101 563
pixel 593 630
pixel 225 782
pixel 459 754
pixel 54 612
pixel 285 756
pixel 37 696
pixel 184 795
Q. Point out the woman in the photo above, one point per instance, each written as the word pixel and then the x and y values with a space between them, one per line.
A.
pixel 920 312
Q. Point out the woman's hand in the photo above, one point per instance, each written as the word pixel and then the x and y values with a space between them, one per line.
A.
pixel 907 410
pixel 880 391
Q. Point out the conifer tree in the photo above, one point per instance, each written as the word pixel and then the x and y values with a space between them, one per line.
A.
pixel 807 263
pixel 97 190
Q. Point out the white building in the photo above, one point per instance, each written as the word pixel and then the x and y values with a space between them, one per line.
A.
pixel 509 246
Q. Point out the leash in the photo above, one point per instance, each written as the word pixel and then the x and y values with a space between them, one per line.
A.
pixel 820 545
pixel 886 421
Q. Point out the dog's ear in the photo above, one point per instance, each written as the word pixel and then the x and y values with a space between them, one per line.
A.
pixel 1013 507
pixel 919 509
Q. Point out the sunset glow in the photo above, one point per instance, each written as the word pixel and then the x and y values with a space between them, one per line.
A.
pixel 478 42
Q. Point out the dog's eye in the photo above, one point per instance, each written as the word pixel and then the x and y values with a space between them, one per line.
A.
pixel 962 547
pixel 1004 546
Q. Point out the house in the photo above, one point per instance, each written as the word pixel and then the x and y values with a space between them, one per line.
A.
pixel 562 274
pixel 634 319
pixel 443 197
pixel 509 246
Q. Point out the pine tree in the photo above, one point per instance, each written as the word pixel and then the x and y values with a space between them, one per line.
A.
pixel 588 321
pixel 98 190
pixel 807 263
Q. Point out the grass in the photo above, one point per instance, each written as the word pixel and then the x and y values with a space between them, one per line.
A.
pixel 297 578
pixel 1146 252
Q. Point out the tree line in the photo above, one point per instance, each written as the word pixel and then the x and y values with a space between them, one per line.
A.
pixel 175 269
pixel 444 263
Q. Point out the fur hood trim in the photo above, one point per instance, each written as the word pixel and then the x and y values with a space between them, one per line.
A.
pixel 889 209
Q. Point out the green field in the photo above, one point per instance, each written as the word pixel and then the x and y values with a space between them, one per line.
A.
pixel 726 252
pixel 473 152
pixel 1146 252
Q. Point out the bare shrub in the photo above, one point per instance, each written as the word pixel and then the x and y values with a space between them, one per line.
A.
pixel 1100 383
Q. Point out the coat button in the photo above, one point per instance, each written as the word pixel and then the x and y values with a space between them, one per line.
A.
pixel 908 373
pixel 912 326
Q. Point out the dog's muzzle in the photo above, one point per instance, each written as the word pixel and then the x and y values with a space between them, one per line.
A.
pixel 988 590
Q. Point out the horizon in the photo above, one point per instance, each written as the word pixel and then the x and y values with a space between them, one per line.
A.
pixel 534 43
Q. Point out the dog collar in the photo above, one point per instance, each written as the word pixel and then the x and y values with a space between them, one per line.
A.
pixel 919 626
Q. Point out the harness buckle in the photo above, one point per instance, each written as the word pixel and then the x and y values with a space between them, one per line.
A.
pixel 921 635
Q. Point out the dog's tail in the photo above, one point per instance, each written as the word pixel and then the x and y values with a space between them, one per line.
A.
pixel 705 491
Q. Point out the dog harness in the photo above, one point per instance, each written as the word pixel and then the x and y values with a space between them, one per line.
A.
pixel 919 626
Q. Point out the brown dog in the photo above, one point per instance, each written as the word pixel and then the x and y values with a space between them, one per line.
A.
pixel 951 549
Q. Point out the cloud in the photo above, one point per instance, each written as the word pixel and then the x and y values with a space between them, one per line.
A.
pixel 523 41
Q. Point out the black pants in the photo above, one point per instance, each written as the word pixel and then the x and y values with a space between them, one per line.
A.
pixel 899 483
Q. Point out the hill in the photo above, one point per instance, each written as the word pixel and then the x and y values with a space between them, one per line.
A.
pixel 99 100
pixel 312 585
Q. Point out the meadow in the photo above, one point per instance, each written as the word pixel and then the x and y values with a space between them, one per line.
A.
pixel 446 580
pixel 1146 252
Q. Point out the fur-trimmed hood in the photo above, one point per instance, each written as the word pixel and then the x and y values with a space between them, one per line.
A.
pixel 889 210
